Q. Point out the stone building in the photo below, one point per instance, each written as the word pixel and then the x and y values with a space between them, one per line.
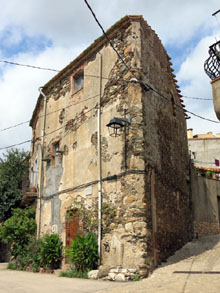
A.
pixel 139 180
pixel 204 151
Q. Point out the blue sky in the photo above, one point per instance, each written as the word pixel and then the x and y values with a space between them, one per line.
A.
pixel 52 33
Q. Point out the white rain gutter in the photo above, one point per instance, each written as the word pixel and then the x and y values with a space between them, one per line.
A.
pixel 41 162
pixel 99 161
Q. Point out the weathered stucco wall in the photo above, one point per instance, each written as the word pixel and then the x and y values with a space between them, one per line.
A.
pixel 205 194
pixel 204 151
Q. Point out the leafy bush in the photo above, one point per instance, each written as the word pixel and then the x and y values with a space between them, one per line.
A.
pixel 30 257
pixel 74 274
pixel 83 252
pixel 11 266
pixel 50 252
pixel 18 230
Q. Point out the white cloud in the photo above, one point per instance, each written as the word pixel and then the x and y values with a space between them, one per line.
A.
pixel 195 83
pixel 71 22
pixel 19 90
pixel 69 27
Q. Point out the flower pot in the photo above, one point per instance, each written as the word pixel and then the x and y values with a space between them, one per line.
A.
pixel 33 189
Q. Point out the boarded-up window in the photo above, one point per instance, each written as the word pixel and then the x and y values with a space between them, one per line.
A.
pixel 72 226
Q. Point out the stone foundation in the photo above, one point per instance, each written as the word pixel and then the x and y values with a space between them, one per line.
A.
pixel 205 228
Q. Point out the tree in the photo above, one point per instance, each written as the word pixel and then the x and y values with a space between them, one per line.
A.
pixel 13 168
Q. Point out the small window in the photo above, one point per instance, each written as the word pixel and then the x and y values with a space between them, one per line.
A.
pixel 56 152
pixel 78 82
pixel 35 173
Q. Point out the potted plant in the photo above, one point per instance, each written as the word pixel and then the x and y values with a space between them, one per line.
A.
pixel 33 189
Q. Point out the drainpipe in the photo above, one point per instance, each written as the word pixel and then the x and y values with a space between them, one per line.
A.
pixel 41 162
pixel 99 160
pixel 153 215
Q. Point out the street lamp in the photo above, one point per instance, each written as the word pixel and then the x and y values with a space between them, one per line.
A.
pixel 116 125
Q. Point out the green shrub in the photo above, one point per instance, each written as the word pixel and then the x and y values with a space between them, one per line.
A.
pixel 11 266
pixel 136 277
pixel 18 230
pixel 74 274
pixel 83 252
pixel 50 252
pixel 30 257
pixel 209 174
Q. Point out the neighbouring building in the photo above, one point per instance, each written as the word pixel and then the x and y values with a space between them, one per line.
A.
pixel 204 149
pixel 142 176
pixel 205 203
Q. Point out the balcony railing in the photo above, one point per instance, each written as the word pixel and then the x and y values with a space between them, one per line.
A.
pixel 212 64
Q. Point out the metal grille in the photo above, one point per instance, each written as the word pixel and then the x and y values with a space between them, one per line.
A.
pixel 212 64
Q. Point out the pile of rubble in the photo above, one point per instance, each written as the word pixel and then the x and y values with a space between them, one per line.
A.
pixel 113 274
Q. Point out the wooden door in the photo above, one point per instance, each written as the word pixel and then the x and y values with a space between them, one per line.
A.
pixel 218 209
pixel 72 226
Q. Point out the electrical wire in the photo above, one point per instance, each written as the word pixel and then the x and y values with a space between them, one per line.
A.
pixel 27 65
pixel 147 86
pixel 39 137
pixel 113 47
pixel 49 113
pixel 44 68
pixel 198 116
pixel 196 98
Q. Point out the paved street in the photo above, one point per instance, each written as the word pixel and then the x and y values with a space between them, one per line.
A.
pixel 201 256
pixel 23 282
pixel 195 269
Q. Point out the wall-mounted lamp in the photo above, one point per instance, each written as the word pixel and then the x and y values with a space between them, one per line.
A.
pixel 116 125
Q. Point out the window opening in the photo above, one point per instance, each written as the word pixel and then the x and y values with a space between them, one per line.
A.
pixel 78 82
pixel 56 152
pixel 35 173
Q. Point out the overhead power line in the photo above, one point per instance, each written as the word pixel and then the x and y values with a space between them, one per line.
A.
pixel 113 47
pixel 27 65
pixel 197 98
pixel 39 137
pixel 147 86
pixel 49 113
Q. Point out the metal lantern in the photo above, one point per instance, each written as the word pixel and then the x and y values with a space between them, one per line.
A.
pixel 115 126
